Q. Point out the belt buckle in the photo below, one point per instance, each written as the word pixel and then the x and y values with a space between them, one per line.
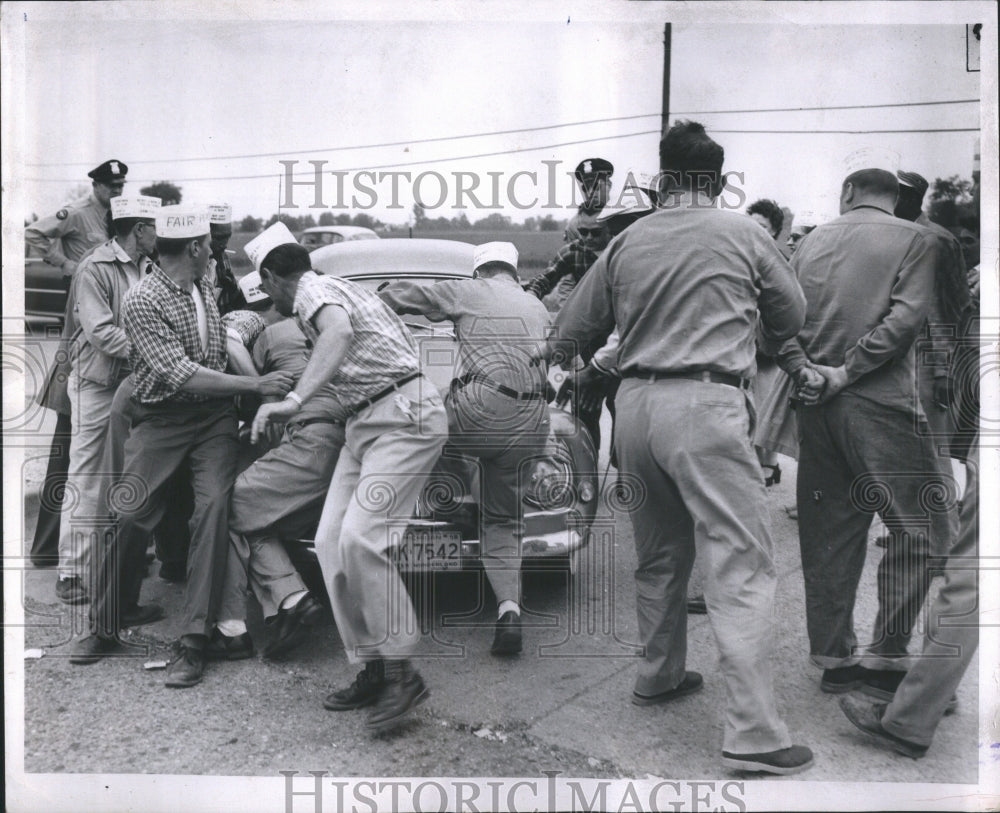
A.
pixel 706 376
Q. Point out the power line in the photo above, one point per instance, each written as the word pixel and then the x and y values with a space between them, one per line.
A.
pixel 532 149
pixel 442 139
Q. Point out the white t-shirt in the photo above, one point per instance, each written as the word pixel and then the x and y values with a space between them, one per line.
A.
pixel 199 309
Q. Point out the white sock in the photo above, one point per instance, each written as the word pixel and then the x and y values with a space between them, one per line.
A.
pixel 508 606
pixel 290 601
pixel 233 627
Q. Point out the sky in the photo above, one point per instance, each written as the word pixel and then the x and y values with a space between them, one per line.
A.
pixel 181 99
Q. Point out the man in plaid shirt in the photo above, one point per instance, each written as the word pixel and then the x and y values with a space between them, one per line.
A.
pixel 184 418
pixel 395 429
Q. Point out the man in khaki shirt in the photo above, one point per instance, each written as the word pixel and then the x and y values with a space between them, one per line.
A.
pixel 684 286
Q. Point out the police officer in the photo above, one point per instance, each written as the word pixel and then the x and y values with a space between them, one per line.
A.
pixel 496 408
pixel 594 177
pixel 62 240
pixel 683 286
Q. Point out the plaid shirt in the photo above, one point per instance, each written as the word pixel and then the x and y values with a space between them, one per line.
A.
pixel 382 350
pixel 162 326
pixel 246 324
pixel 573 259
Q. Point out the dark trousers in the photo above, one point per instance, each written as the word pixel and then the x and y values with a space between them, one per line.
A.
pixel 164 439
pixel 857 458
pixel 45 544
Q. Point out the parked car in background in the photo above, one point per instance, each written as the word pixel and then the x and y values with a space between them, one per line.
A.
pixel 560 494
pixel 320 236
pixel 45 290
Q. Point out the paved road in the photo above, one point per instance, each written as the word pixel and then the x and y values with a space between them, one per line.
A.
pixel 563 705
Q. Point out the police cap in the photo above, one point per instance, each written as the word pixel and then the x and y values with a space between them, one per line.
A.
pixel 591 168
pixel 109 172
pixel 913 180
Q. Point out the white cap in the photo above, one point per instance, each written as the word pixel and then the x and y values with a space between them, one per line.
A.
pixel 632 201
pixel 134 206
pixel 220 213
pixel 646 181
pixel 181 222
pixel 273 236
pixel 804 220
pixel 496 252
pixel 250 288
pixel 871 158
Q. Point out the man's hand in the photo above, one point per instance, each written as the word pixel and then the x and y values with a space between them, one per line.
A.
pixel 942 391
pixel 278 412
pixel 276 383
pixel 836 380
pixel 809 385
pixel 542 354
pixel 590 387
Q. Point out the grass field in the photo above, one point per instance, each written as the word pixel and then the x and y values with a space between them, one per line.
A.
pixel 536 249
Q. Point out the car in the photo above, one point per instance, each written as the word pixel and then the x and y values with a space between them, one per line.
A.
pixel 560 496
pixel 319 236
pixel 45 291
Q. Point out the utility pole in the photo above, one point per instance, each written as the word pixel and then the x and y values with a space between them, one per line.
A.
pixel 665 116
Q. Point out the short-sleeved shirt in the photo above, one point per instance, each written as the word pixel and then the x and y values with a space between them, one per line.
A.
pixel 166 348
pixel 499 326
pixel 282 346
pixel 381 351
pixel 684 286
pixel 247 325
pixel 70 232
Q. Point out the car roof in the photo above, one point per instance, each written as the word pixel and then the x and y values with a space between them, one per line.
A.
pixel 344 230
pixel 395 257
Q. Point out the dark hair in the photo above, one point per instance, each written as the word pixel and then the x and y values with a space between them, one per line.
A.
pixel 174 246
pixel 124 225
pixel 689 158
pixel 286 259
pixel 769 209
pixel 874 181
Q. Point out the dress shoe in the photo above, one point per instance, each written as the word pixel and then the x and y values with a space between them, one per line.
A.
pixel 404 689
pixel 868 718
pixel 507 636
pixel 229 647
pixel 882 684
pixel 186 668
pixel 292 626
pixel 774 477
pixel 362 692
pixel 92 648
pixel 71 591
pixel 142 614
pixel 174 572
pixel 784 761
pixel 696 606
pixel 691 683
pixel 842 679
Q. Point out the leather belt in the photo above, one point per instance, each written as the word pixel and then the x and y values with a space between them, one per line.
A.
pixel 706 376
pixel 406 379
pixel 468 378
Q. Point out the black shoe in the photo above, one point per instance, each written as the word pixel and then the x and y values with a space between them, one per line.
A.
pixel 843 679
pixel 696 606
pixel 868 718
pixel 71 591
pixel 292 626
pixel 507 636
pixel 775 477
pixel 92 648
pixel 142 614
pixel 784 761
pixel 229 647
pixel 174 572
pixel 186 668
pixel 691 683
pixel 404 689
pixel 883 683
pixel 363 692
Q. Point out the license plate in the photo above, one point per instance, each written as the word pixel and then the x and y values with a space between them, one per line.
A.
pixel 430 550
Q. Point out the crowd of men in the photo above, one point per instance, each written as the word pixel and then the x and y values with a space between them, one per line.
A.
pixel 712 357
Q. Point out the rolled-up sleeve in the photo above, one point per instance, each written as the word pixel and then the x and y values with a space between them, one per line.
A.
pixel 909 304
pixel 157 343
pixel 94 313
